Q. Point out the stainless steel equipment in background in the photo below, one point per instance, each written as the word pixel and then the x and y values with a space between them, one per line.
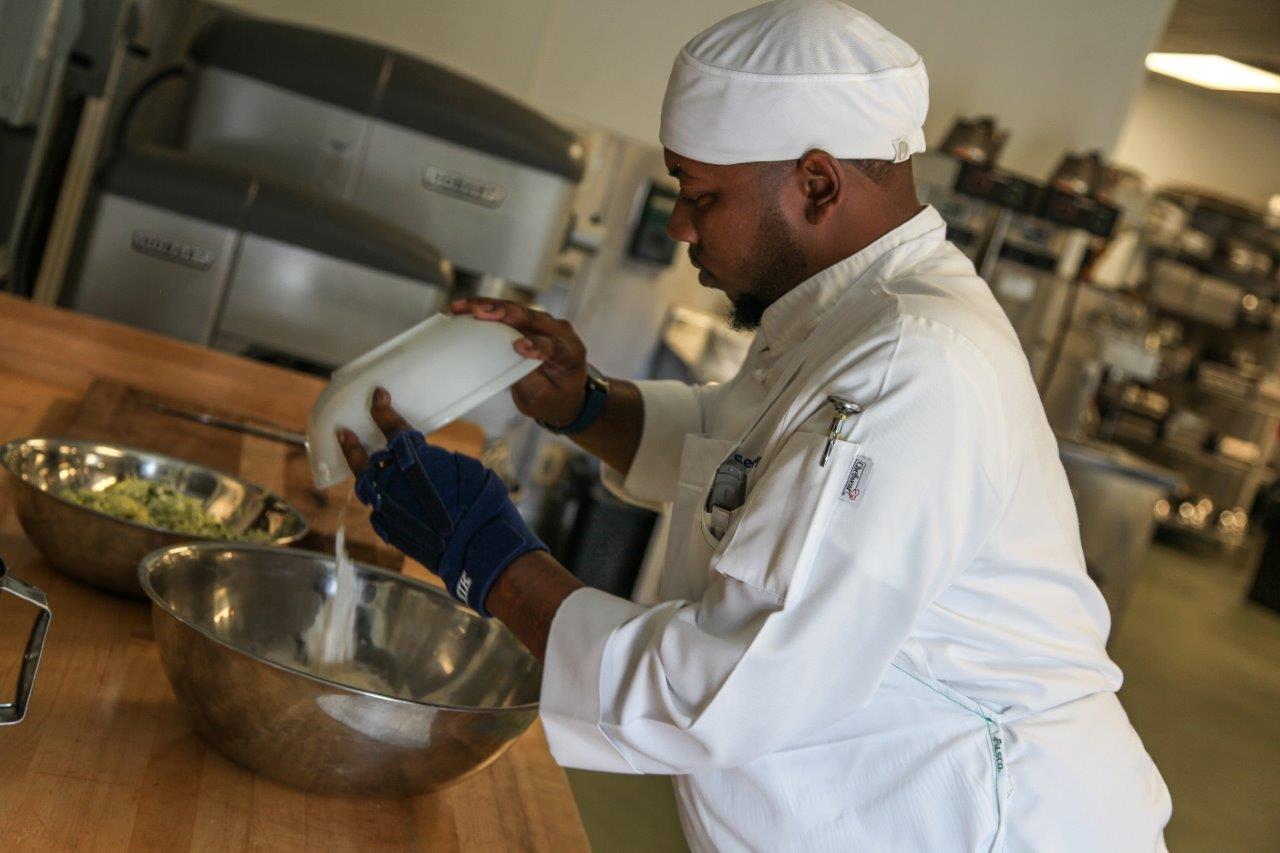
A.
pixel 36 40
pixel 1034 257
pixel 1115 494
pixel 1108 338
pixel 485 178
pixel 1212 294
pixel 320 126
pixel 1027 240
pixel 939 177
pixel 225 257
pixel 698 346
pixel 944 178
pixel 1172 350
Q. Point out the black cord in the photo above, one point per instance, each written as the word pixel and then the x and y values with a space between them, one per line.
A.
pixel 126 115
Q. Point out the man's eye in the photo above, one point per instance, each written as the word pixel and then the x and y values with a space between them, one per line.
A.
pixel 699 202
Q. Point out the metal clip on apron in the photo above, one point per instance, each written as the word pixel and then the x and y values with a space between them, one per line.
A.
pixel 13 712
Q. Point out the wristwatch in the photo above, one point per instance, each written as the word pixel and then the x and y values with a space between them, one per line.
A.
pixel 592 406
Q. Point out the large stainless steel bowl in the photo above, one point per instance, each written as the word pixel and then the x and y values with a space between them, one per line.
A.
pixel 103 550
pixel 433 692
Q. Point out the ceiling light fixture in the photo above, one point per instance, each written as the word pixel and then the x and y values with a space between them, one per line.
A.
pixel 1214 72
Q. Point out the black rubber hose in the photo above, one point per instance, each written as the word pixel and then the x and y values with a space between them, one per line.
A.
pixel 131 106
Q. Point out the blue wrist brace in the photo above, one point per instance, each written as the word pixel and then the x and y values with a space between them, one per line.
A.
pixel 448 512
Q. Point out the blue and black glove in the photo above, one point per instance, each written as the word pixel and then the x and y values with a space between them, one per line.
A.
pixel 448 512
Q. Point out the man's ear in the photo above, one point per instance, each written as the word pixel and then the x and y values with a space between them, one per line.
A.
pixel 825 184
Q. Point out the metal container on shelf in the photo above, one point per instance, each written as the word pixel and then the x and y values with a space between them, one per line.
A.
pixel 1183 290
pixel 1080 174
pixel 976 140
pixel 1222 379
pixel 1246 258
pixel 1185 428
pixel 12 712
pixel 1116 495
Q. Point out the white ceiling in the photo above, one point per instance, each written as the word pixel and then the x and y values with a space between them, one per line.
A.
pixel 1244 30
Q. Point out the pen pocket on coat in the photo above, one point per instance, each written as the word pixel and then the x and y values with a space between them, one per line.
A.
pixel 689 548
pixel 777 534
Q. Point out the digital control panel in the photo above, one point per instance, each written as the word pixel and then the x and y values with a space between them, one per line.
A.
pixel 649 240
pixel 1078 211
pixel 1023 196
pixel 1001 188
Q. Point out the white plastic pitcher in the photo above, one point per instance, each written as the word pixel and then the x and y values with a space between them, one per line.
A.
pixel 435 372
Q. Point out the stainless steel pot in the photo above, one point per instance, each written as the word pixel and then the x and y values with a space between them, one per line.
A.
pixel 13 712
pixel 433 691
pixel 102 550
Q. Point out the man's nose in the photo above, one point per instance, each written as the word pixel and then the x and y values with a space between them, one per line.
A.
pixel 680 225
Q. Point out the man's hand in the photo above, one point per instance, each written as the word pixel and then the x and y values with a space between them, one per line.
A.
pixel 523 592
pixel 447 511
pixel 554 392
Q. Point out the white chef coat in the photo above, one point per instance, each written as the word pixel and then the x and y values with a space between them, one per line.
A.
pixel 899 650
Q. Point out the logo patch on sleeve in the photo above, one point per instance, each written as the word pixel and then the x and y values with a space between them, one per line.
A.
pixel 855 484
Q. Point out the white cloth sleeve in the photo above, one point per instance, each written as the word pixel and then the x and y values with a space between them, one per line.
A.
pixel 744 672
pixel 672 410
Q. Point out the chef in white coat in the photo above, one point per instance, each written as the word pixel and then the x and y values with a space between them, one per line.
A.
pixel 876 630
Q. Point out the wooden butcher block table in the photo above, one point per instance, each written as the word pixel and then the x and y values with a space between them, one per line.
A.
pixel 105 759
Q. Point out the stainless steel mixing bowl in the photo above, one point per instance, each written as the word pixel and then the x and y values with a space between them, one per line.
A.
pixel 103 550
pixel 433 692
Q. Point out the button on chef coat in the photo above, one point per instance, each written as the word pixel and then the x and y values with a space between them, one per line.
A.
pixel 899 650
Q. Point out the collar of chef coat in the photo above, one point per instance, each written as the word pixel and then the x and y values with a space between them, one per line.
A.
pixel 793 316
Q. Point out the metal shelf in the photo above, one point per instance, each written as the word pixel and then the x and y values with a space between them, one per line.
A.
pixel 1182 387
pixel 1212 460
pixel 1256 406
pixel 1210 534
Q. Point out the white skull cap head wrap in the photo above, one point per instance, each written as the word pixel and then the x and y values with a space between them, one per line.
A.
pixel 780 79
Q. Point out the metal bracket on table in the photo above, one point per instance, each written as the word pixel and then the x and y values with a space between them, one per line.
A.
pixel 13 712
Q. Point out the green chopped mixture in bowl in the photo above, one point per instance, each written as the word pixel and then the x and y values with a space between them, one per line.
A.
pixel 158 505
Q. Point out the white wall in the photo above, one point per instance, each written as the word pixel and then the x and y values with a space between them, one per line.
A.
pixel 623 303
pixel 1183 134
pixel 1059 73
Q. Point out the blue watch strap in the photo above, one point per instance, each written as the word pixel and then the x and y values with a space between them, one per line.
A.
pixel 592 409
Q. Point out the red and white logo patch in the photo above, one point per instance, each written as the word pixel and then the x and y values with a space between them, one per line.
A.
pixel 855 484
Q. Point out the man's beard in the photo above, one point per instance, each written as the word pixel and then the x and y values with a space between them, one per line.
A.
pixel 775 268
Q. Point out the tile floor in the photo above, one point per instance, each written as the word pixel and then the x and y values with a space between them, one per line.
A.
pixel 1202 686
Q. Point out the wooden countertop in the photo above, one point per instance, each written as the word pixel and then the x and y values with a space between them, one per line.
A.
pixel 105 759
